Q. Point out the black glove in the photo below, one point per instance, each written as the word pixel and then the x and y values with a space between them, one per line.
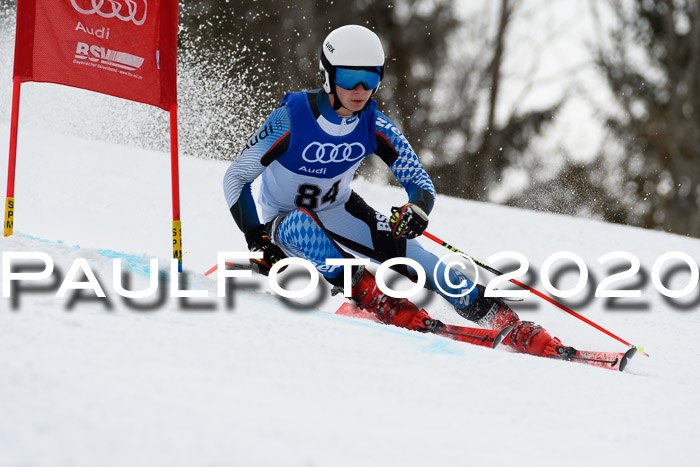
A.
pixel 258 240
pixel 408 221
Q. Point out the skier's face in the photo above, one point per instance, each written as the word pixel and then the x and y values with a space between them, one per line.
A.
pixel 353 100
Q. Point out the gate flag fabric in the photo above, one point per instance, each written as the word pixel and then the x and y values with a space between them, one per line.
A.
pixel 124 48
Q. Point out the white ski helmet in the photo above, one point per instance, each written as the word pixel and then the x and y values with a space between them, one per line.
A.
pixel 350 46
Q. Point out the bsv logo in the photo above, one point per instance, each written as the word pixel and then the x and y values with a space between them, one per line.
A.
pixel 325 153
pixel 108 57
pixel 125 10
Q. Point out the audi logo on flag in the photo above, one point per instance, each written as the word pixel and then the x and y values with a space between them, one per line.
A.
pixel 325 153
pixel 125 10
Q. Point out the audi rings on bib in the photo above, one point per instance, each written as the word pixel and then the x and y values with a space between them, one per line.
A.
pixel 325 153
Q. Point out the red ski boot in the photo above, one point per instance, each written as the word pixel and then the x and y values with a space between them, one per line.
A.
pixel 530 338
pixel 526 336
pixel 390 310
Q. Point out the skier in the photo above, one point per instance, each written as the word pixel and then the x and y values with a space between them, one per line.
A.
pixel 307 152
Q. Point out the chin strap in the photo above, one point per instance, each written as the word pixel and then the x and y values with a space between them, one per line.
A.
pixel 336 103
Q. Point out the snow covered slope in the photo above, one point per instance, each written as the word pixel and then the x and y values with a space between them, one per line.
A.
pixel 249 381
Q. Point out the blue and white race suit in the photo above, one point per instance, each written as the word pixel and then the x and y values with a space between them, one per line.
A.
pixel 307 156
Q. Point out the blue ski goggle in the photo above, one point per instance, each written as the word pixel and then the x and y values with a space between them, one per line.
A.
pixel 349 78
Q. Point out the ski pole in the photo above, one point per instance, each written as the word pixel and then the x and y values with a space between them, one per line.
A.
pixel 527 287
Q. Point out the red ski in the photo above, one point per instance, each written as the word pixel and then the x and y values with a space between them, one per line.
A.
pixel 616 361
pixel 476 336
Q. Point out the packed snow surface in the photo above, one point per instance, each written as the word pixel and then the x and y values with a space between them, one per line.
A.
pixel 248 380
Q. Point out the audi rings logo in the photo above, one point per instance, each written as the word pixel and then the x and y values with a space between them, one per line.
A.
pixel 125 10
pixel 325 153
